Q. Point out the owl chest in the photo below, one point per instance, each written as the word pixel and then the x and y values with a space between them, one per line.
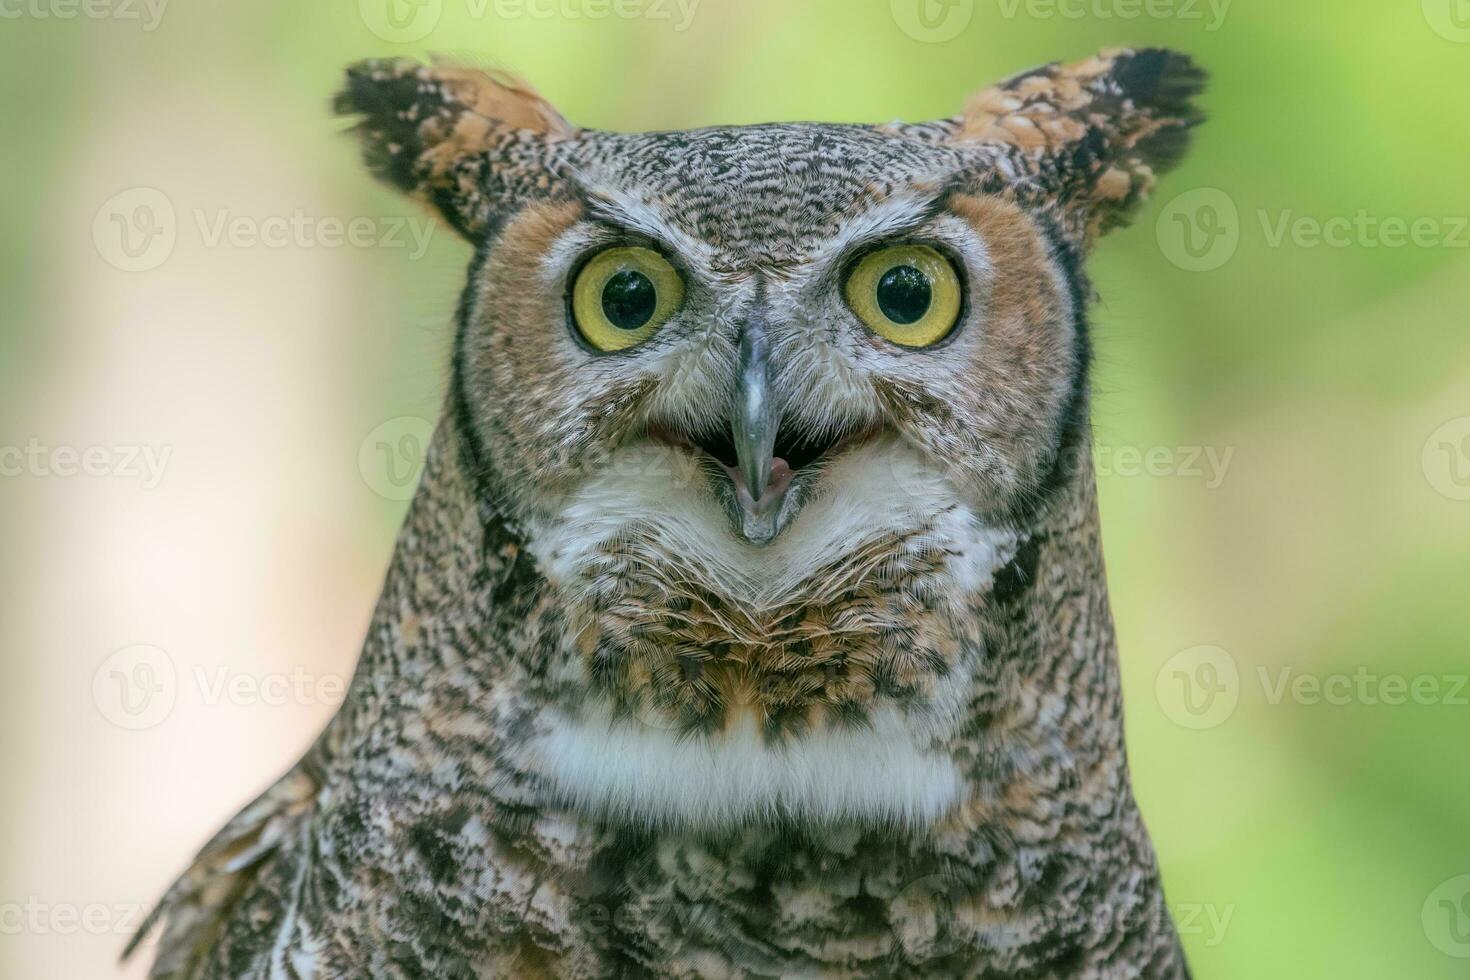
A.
pixel 671 720
pixel 678 701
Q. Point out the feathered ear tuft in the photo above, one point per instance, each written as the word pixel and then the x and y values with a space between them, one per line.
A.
pixel 460 139
pixel 1095 133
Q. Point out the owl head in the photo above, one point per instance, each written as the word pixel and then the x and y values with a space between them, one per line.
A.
pixel 765 345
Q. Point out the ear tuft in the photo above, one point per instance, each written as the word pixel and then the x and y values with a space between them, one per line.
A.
pixel 443 133
pixel 1099 131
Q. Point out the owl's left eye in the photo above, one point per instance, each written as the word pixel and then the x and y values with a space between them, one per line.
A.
pixel 907 294
pixel 623 295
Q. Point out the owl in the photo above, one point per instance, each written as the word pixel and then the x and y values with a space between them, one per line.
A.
pixel 750 619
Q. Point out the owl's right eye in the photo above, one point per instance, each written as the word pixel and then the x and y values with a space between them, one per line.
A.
pixel 909 295
pixel 623 295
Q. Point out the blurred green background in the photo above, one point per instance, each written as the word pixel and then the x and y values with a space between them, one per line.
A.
pixel 1282 415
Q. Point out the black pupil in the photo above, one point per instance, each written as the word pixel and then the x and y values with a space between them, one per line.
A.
pixel 629 299
pixel 904 294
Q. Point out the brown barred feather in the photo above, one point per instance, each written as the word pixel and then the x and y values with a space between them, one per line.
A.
pixel 423 835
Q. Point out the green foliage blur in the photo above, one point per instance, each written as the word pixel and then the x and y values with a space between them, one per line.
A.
pixel 1282 384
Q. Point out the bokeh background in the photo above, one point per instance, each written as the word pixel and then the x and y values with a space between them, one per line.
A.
pixel 221 346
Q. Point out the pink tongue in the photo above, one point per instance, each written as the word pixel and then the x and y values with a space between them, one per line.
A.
pixel 781 475
pixel 780 479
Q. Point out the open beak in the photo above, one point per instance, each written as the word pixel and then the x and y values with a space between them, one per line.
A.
pixel 762 450
pixel 762 479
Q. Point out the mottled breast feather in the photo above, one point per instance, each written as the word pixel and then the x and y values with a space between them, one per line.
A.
pixel 600 729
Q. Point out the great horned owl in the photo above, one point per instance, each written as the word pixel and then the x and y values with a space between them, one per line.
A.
pixel 750 619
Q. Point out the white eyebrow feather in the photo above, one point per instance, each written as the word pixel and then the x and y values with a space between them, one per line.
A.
pixel 901 212
pixel 637 214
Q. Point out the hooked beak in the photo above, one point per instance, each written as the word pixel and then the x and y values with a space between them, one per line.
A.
pixel 762 449
pixel 755 419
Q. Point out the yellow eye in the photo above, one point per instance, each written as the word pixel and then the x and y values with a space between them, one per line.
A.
pixel 908 294
pixel 623 295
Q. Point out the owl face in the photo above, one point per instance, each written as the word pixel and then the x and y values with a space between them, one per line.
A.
pixel 772 405
pixel 770 318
